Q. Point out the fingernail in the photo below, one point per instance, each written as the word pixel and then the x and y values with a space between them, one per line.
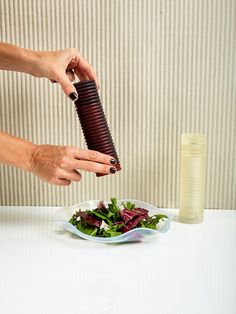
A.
pixel 73 96
pixel 112 170
pixel 113 161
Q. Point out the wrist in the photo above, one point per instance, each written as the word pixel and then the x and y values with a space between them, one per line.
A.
pixel 16 152
pixel 29 151
pixel 19 59
pixel 23 160
pixel 31 61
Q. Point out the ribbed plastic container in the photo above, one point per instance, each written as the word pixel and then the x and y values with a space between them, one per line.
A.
pixel 93 121
pixel 192 177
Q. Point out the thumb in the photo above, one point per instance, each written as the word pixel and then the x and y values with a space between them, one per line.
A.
pixel 68 87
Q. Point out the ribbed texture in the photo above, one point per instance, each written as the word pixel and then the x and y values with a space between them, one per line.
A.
pixel 165 68
pixel 93 121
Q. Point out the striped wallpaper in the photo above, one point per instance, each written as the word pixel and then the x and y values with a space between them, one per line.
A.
pixel 165 67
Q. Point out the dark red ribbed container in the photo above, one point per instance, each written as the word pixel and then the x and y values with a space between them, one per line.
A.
pixel 93 121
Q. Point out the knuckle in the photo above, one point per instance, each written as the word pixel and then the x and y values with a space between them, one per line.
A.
pixel 68 150
pixel 86 66
pixel 56 173
pixel 89 69
pixel 64 161
pixel 73 51
pixel 54 73
pixel 93 154
pixel 87 167
pixel 103 169
pixel 106 169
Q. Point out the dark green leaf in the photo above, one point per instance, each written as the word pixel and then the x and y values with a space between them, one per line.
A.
pixel 152 221
pixel 129 205
pixel 110 233
pixel 113 206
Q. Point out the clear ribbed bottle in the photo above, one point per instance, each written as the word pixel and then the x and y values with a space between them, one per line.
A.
pixel 192 177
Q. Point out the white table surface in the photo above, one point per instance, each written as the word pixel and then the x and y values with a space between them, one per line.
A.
pixel 189 270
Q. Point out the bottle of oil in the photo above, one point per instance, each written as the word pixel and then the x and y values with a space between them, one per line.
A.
pixel 93 121
pixel 192 177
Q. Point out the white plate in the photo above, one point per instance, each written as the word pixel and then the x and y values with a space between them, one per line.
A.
pixel 64 214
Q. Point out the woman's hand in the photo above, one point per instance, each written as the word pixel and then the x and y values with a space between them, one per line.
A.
pixel 61 164
pixel 58 66
pixel 55 164
pixel 62 67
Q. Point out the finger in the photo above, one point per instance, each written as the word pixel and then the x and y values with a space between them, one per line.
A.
pixel 72 175
pixel 70 75
pixel 91 75
pixel 85 67
pixel 93 155
pixel 85 71
pixel 53 81
pixel 62 182
pixel 81 75
pixel 86 75
pixel 92 166
pixel 67 86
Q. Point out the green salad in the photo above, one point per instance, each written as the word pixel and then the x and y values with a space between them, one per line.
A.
pixel 114 220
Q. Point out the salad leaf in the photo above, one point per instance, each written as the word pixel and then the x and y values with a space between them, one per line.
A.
pixel 109 233
pixel 85 228
pixel 89 219
pixel 102 207
pixel 105 217
pixel 113 230
pixel 114 210
pixel 132 224
pixel 128 215
pixel 151 222
pixel 128 205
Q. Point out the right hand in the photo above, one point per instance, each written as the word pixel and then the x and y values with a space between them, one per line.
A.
pixel 59 165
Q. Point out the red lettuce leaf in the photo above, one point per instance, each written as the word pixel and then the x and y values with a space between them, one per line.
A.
pixel 89 219
pixel 102 207
pixel 132 224
pixel 127 215
pixel 131 218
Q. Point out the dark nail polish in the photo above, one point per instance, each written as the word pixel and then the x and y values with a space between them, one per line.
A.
pixel 112 170
pixel 113 161
pixel 73 96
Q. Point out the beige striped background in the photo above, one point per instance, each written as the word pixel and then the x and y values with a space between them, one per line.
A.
pixel 165 67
